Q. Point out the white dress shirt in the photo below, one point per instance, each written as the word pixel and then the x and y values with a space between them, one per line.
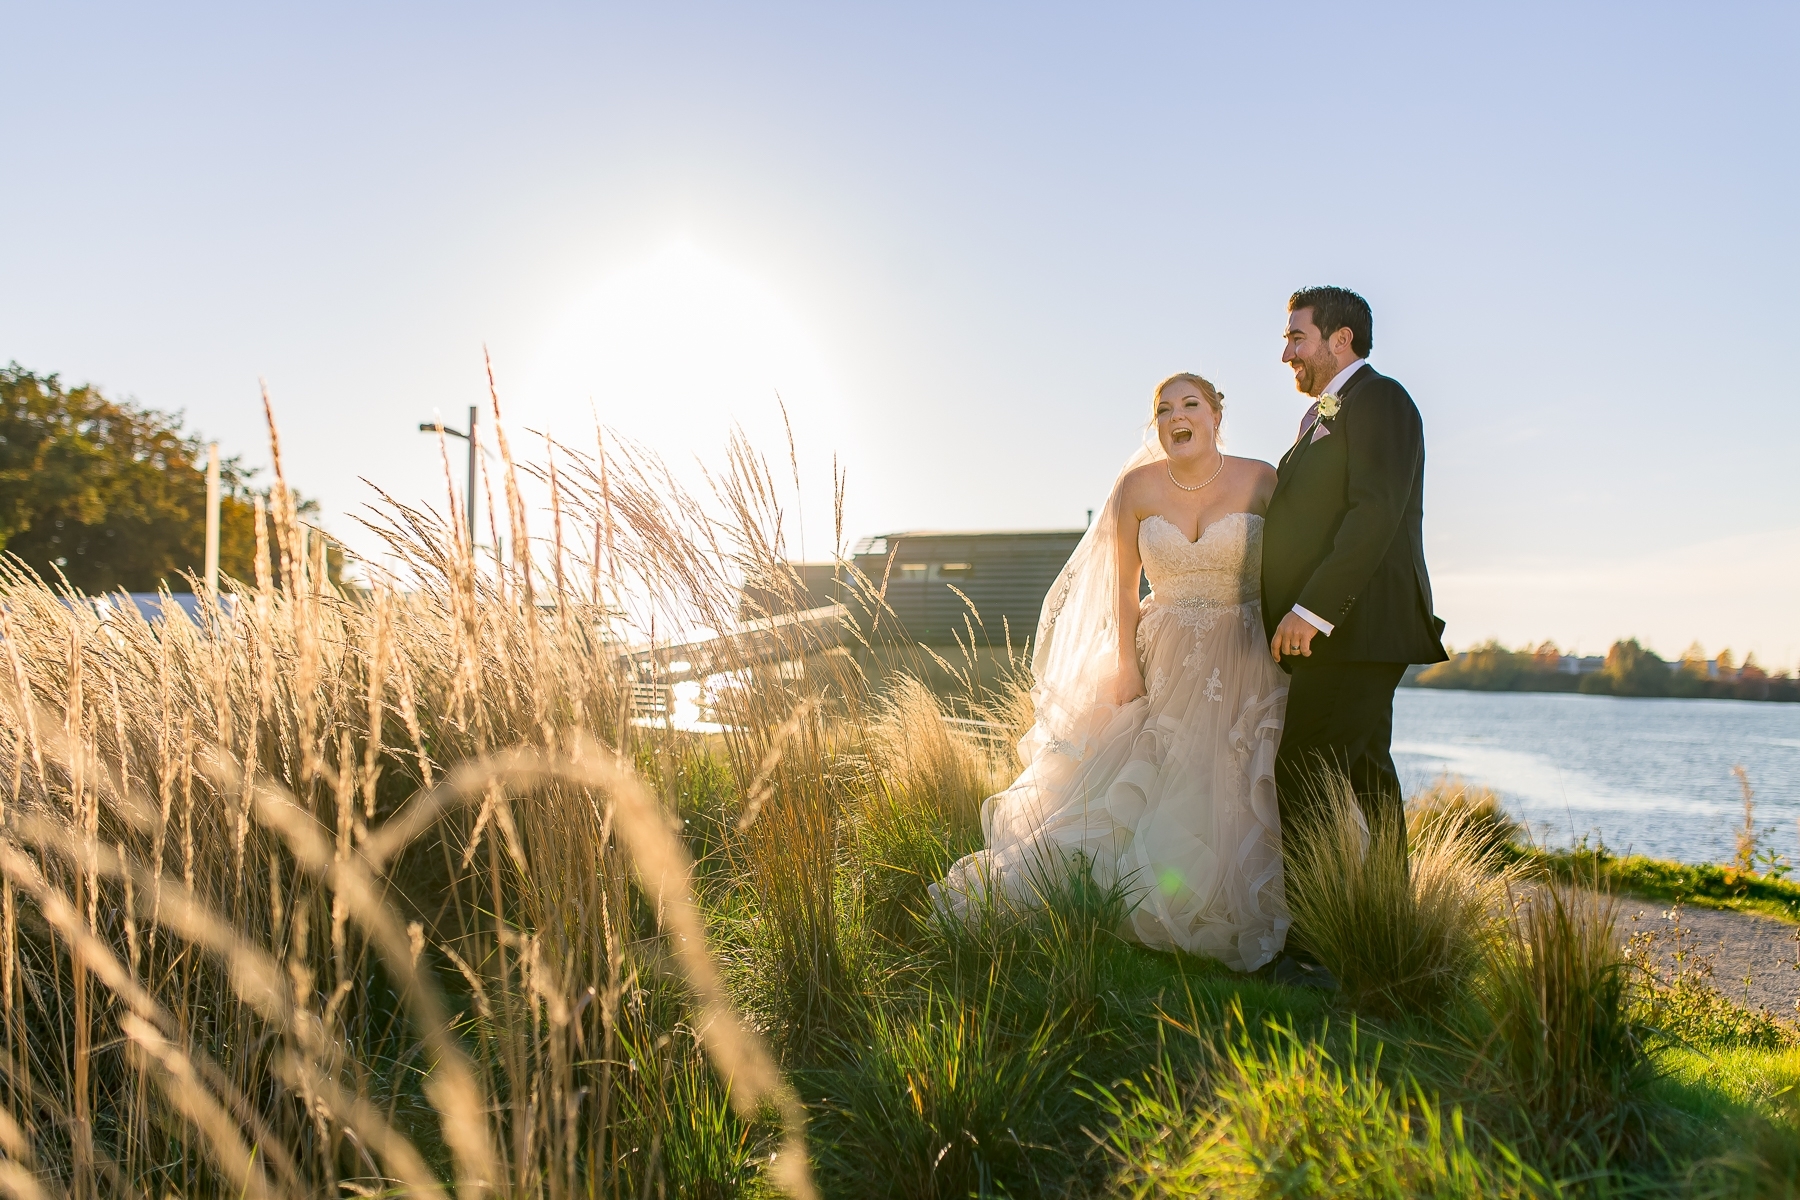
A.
pixel 1337 381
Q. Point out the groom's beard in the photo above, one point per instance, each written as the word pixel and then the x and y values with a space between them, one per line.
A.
pixel 1315 373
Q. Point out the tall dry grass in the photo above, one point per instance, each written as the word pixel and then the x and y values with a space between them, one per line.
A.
pixel 1476 806
pixel 922 808
pixel 330 892
pixel 390 893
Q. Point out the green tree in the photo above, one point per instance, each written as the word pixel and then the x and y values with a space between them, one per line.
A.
pixel 111 495
pixel 1630 670
pixel 1491 667
pixel 1691 678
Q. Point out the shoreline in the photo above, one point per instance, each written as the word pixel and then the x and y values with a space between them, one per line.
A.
pixel 1627 669
pixel 1411 681
pixel 1640 877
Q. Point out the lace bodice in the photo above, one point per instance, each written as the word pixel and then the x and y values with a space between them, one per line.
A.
pixel 1223 567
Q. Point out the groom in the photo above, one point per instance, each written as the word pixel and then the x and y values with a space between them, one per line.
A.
pixel 1346 600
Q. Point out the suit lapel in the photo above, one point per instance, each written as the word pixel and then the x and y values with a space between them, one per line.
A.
pixel 1362 373
pixel 1284 470
pixel 1293 453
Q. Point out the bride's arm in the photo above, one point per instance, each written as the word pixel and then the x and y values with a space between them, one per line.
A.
pixel 1128 680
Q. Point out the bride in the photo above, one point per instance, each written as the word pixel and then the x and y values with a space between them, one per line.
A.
pixel 1153 750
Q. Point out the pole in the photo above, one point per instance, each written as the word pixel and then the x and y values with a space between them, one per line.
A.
pixel 212 522
pixel 474 458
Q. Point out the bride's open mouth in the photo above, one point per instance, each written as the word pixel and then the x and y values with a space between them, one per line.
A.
pixel 1181 436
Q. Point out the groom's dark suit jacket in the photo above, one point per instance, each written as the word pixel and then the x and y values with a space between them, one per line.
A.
pixel 1343 537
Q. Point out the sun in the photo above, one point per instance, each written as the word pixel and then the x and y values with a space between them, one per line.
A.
pixel 676 350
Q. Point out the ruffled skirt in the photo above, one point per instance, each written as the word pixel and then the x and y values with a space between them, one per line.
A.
pixel 1171 796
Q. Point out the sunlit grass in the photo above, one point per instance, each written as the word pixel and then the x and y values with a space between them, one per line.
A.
pixel 1283 1115
pixel 1404 923
pixel 1479 811
pixel 387 893
pixel 1566 1034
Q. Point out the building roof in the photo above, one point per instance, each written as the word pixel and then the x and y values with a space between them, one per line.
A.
pixel 869 545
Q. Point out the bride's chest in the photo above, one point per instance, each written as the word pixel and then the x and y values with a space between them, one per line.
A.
pixel 1225 545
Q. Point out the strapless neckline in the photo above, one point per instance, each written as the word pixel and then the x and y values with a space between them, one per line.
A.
pixel 1221 566
pixel 1209 528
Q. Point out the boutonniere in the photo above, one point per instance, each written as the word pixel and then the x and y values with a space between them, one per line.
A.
pixel 1329 405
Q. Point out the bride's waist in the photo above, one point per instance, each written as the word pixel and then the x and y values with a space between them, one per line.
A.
pixel 1208 599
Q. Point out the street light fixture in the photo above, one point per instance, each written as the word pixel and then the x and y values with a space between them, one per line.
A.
pixel 469 437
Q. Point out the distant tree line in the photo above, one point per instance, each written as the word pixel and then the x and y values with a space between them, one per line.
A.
pixel 109 495
pixel 1628 670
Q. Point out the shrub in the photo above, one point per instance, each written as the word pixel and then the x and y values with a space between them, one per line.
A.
pixel 1704 883
pixel 1673 993
pixel 1402 932
pixel 1074 927
pixel 1559 999
pixel 1061 944
pixel 944 1100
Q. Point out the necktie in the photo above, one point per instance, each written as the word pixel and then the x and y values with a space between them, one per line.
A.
pixel 1307 422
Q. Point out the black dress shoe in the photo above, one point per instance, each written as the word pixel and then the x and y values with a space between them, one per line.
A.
pixel 1294 973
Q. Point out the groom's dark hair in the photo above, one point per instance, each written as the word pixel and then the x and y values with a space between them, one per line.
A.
pixel 1335 308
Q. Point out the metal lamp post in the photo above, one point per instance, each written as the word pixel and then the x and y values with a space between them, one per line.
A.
pixel 469 437
pixel 211 573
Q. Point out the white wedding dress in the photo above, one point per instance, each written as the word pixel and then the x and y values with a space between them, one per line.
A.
pixel 1173 793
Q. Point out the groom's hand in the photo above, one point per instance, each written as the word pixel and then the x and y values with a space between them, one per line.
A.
pixel 1293 636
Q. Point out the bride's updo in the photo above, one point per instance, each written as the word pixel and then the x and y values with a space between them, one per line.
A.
pixel 1212 395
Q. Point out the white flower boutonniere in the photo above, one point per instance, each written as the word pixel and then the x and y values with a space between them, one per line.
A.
pixel 1328 405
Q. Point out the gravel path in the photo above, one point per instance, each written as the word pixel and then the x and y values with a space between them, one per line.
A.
pixel 1739 945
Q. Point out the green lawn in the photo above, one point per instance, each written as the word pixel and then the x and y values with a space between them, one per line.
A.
pixel 1039 1055
pixel 1705 885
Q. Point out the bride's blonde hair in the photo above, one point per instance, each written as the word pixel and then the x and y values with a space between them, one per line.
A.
pixel 1212 395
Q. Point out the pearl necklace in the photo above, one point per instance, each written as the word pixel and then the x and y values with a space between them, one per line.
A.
pixel 1184 487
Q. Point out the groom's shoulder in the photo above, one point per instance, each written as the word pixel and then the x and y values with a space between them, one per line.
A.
pixel 1375 383
pixel 1382 391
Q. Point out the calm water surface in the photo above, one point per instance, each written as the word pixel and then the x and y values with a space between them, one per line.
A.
pixel 1652 776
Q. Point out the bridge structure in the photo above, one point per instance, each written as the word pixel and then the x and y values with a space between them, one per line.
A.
pixel 656 668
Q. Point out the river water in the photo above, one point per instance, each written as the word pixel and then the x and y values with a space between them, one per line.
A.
pixel 1648 776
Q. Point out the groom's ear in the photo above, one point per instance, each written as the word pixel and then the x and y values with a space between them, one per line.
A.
pixel 1341 341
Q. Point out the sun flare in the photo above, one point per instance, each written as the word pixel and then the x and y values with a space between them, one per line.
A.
pixel 676 350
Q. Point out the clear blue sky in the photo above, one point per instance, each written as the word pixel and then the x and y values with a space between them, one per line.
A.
pixel 962 241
